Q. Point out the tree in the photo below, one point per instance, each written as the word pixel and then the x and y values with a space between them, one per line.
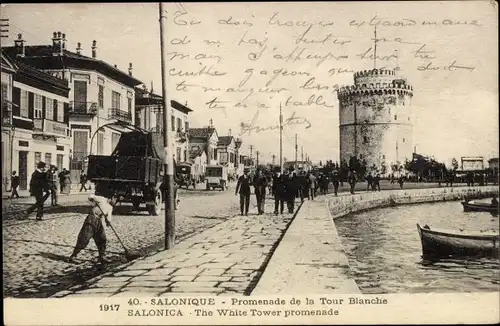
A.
pixel 454 164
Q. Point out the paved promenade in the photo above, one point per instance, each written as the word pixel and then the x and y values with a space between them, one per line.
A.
pixel 226 259
pixel 310 258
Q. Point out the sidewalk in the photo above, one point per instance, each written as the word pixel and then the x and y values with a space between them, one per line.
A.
pixel 226 259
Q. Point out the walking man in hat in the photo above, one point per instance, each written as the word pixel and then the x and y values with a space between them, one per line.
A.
pixel 38 186
pixel 243 188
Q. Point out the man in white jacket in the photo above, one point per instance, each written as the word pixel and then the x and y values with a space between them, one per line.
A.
pixel 93 227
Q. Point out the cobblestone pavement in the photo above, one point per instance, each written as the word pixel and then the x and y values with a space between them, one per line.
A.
pixel 35 252
pixel 227 259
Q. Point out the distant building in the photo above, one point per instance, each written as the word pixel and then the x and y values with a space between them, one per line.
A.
pixel 226 152
pixel 493 164
pixel 198 159
pixel 205 139
pixel 375 118
pixel 39 119
pixel 472 163
pixel 99 94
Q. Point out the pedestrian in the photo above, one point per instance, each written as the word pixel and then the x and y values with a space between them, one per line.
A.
pixel 243 188
pixel 39 188
pixel 83 181
pixel 93 226
pixel 312 186
pixel 279 193
pixel 351 178
pixel 291 191
pixel 67 182
pixel 336 181
pixel 325 181
pixel 14 184
pixel 260 184
pixel 376 182
pixel 369 181
pixel 301 185
pixel 62 181
pixel 401 181
pixel 52 181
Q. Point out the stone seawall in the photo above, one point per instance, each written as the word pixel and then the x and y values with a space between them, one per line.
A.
pixel 310 258
pixel 343 205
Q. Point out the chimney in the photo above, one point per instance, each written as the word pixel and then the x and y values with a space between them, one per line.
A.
pixel 130 69
pixel 210 123
pixel 116 67
pixel 94 49
pixel 57 43
pixel 19 45
pixel 79 48
pixel 229 132
pixel 63 42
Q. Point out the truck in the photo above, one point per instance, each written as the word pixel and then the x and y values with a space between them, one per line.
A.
pixel 216 177
pixel 134 171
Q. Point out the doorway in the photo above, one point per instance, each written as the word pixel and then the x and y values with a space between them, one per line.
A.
pixel 23 170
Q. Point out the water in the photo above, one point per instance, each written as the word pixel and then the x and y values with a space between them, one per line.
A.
pixel 385 253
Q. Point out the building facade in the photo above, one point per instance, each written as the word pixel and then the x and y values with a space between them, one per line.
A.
pixel 376 119
pixel 149 116
pixel 100 94
pixel 226 152
pixel 8 71
pixel 39 122
pixel 205 139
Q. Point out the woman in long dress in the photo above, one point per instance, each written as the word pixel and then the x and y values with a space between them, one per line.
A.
pixel 67 183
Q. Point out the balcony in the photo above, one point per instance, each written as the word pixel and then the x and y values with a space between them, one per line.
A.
pixel 49 128
pixel 82 108
pixel 120 115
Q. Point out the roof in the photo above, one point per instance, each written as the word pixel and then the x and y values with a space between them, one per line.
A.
pixel 225 140
pixel 201 132
pixel 7 63
pixel 195 153
pixel 41 57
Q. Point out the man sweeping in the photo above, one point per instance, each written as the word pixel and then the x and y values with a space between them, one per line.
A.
pixel 93 227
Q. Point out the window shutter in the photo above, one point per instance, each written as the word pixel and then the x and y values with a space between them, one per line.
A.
pixel 54 104
pixel 16 99
pixel 66 112
pixel 43 107
pixel 31 104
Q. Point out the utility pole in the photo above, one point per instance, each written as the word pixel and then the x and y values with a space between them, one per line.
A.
pixel 302 153
pixel 281 141
pixel 375 50
pixel 296 147
pixel 274 158
pixel 168 168
pixel 251 157
pixel 257 159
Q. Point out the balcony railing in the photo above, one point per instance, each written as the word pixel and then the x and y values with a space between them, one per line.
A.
pixel 82 108
pixel 50 127
pixel 180 135
pixel 120 115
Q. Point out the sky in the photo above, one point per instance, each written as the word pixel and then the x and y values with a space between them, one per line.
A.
pixel 235 63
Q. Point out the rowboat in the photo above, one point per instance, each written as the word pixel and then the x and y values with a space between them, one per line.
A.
pixel 471 206
pixel 443 243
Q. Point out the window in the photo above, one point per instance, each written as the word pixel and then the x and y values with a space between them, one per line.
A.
pixel 178 156
pixel 49 109
pixel 173 122
pixel 186 126
pixel 185 155
pixel 38 106
pixel 100 143
pixel 48 159
pixel 129 103
pixel 179 124
pixel 60 111
pixel 383 157
pixel 395 117
pixel 24 104
pixel 38 158
pixel 100 96
pixel 60 158
pixel 404 140
pixel 115 100
pixel 114 140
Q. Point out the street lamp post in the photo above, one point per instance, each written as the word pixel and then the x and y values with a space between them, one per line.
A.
pixel 168 159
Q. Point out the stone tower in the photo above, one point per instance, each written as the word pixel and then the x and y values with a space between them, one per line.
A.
pixel 375 119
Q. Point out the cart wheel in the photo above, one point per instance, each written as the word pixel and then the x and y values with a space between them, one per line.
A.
pixel 155 209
